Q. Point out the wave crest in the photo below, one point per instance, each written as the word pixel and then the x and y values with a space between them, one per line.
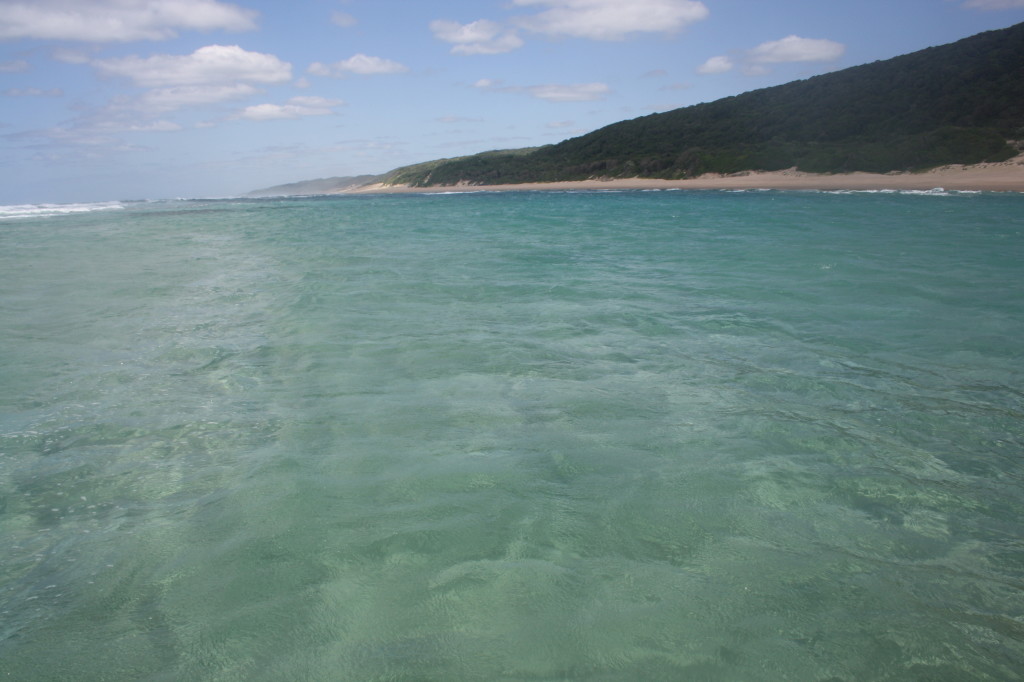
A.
pixel 47 210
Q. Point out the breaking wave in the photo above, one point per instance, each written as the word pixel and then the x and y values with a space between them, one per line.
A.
pixel 47 210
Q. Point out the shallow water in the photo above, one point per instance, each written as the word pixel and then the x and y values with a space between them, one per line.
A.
pixel 522 436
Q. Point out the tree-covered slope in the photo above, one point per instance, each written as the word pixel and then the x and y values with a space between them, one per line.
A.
pixel 956 103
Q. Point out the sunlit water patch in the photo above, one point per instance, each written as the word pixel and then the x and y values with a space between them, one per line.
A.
pixel 633 435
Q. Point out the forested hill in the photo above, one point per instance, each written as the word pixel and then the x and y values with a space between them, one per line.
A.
pixel 956 103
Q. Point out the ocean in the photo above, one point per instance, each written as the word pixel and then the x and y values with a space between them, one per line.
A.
pixel 636 435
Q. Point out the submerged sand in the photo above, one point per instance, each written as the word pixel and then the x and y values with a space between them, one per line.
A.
pixel 1006 176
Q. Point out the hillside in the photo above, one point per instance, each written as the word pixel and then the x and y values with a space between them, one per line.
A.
pixel 318 186
pixel 953 104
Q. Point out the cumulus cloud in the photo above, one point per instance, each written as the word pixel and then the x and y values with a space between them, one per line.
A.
pixel 993 4
pixel 580 92
pixel 594 19
pixel 715 65
pixel 297 107
pixel 118 20
pixel 210 65
pixel 797 49
pixel 359 64
pixel 479 31
pixel 209 76
pixel 790 49
pixel 611 19
pixel 477 37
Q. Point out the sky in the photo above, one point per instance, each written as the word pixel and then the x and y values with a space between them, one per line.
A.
pixel 106 100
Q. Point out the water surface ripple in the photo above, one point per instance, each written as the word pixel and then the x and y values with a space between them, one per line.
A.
pixel 518 436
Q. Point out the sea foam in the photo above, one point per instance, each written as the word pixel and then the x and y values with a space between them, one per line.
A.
pixel 47 210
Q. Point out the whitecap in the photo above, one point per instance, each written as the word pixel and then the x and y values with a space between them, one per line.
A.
pixel 47 210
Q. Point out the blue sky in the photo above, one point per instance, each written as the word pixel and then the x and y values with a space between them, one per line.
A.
pixel 128 99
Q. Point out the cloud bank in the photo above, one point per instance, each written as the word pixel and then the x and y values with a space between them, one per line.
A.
pixel 210 65
pixel 118 20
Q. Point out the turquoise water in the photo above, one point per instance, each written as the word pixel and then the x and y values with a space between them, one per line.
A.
pixel 516 436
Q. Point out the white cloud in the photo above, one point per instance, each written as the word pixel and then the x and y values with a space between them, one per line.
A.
pixel 210 65
pixel 211 75
pixel 715 65
pixel 297 107
pixel 170 99
pixel 152 127
pixel 360 64
pixel 584 92
pixel 118 20
pixel 342 19
pixel 503 43
pixel 479 31
pixel 993 4
pixel 796 49
pixel 16 66
pixel 477 37
pixel 119 124
pixel 612 19
pixel 581 92
pixel 790 49
pixel 99 129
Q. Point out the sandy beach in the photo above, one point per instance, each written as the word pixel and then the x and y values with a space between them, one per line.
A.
pixel 1005 176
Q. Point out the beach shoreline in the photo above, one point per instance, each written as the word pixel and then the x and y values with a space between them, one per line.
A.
pixel 1005 176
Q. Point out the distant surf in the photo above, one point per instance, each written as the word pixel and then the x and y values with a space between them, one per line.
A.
pixel 47 210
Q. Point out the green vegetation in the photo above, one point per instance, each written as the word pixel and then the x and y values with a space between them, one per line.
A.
pixel 421 173
pixel 957 103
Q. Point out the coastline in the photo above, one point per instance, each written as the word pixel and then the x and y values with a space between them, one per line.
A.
pixel 1004 176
